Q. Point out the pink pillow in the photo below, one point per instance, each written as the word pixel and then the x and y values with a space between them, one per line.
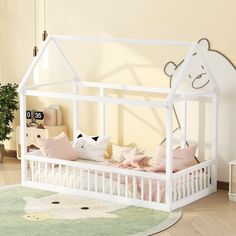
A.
pixel 182 158
pixel 58 147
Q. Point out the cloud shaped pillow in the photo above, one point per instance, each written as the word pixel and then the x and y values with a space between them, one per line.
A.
pixel 90 147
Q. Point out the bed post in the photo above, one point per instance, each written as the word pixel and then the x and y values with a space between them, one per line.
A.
pixel 75 116
pixel 183 122
pixel 169 155
pixel 23 135
pixel 102 114
pixel 214 138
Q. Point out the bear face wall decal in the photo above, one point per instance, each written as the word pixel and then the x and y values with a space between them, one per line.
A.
pixel 197 76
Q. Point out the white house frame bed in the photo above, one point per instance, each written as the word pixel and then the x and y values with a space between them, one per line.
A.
pixel 173 190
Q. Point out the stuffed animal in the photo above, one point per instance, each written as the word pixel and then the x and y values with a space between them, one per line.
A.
pixel 134 160
pixel 90 147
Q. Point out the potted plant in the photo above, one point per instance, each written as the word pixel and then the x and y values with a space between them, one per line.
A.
pixel 8 105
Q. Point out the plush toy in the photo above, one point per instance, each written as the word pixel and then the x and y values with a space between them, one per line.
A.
pixel 134 160
pixel 90 147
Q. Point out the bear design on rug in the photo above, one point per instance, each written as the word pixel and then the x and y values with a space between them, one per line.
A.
pixel 59 206
pixel 197 76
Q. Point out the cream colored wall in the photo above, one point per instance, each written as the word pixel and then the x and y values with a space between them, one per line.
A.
pixel 16 33
pixel 169 19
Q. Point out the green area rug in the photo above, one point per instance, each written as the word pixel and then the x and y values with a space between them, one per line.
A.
pixel 31 212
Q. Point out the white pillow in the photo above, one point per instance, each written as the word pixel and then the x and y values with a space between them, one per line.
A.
pixel 90 147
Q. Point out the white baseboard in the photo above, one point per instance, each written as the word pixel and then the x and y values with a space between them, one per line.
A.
pixel 232 197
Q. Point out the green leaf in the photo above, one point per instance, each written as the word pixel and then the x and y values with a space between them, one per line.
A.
pixel 8 105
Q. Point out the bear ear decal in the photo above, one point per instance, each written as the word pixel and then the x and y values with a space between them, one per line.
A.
pixel 80 136
pixel 170 68
pixel 204 44
pixel 95 138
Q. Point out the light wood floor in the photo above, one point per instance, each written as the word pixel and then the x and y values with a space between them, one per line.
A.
pixel 210 216
pixel 10 171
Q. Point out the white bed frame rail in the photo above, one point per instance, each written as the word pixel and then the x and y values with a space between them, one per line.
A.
pixel 139 188
pixel 134 183
pixel 173 198
pixel 193 183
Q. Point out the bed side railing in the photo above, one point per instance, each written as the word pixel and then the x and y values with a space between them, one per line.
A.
pixel 92 180
pixel 193 183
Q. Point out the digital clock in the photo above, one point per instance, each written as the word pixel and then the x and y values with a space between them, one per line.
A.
pixel 34 115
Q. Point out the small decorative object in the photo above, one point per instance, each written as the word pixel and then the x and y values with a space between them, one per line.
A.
pixel 232 180
pixel 53 115
pixel 59 113
pixel 50 116
pixel 34 115
pixel 8 105
pixel 45 33
pixel 40 126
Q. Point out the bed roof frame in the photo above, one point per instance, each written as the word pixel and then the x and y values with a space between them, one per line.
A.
pixel 173 95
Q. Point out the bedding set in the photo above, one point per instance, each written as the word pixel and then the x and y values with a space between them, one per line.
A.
pixel 92 149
